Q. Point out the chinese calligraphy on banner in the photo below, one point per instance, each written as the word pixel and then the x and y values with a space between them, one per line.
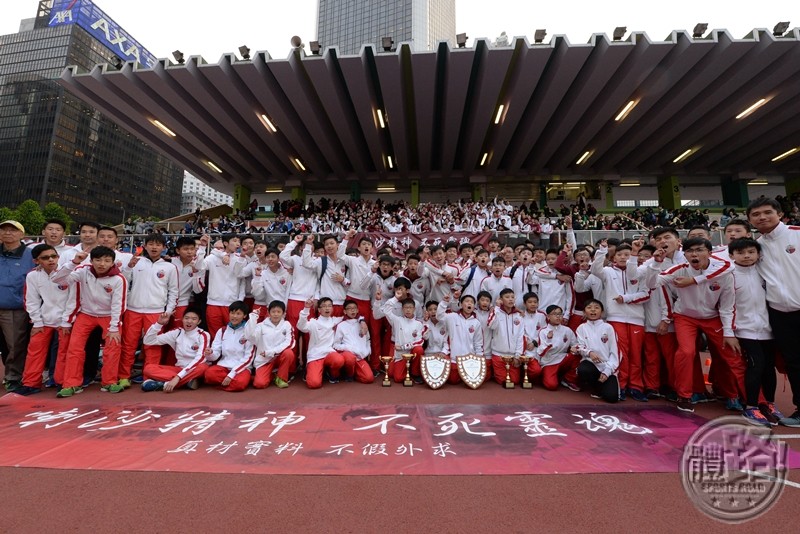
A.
pixel 342 439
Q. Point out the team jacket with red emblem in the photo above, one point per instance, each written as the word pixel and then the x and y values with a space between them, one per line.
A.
pixel 321 330
pixel 465 335
pixel 328 287
pixel 533 323
pixel 554 344
pixel 268 339
pixel 436 274
pixel 189 346
pixel 508 332
pixel 407 333
pixel 494 285
pixel 359 270
pixel 232 349
pixel 780 258
pixel 103 296
pixel 624 283
pixel 304 281
pixel 714 298
pixel 752 317
pixel 224 285
pixel 420 287
pixel 599 337
pixel 153 286
pixel 348 337
pixel 477 274
pixel 46 301
pixel 272 285
pixel 553 291
pixel 186 278
pixel 521 281
pixel 436 338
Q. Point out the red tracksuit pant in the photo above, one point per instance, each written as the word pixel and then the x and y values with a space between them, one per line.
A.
pixel 216 374
pixel 165 373
pixel 136 324
pixel 686 330
pixel 397 368
pixel 36 360
pixel 499 371
pixel 284 362
pixel 358 369
pixel 216 318
pixel 567 370
pixel 76 353
pixel 630 341
pixel 334 362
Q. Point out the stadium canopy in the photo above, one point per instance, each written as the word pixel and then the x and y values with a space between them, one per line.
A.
pixel 452 117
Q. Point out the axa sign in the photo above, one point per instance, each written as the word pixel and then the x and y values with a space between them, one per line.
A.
pixel 92 19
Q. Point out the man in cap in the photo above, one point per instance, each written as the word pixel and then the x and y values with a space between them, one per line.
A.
pixel 15 263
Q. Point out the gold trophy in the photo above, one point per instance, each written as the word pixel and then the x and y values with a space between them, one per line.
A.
pixel 408 382
pixel 386 380
pixel 507 360
pixel 526 384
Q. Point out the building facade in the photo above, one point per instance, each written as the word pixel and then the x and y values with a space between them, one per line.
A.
pixel 56 148
pixel 349 24
pixel 196 194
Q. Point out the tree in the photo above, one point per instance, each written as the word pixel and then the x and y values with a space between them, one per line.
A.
pixel 7 214
pixel 29 214
pixel 54 211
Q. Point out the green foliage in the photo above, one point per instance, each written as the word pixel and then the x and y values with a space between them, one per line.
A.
pixel 7 213
pixel 30 215
pixel 54 211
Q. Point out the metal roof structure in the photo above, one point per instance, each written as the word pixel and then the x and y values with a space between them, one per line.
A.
pixel 455 116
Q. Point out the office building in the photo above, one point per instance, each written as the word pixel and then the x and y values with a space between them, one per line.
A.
pixel 196 194
pixel 56 148
pixel 349 24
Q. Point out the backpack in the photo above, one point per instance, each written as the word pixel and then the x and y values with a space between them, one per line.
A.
pixel 511 275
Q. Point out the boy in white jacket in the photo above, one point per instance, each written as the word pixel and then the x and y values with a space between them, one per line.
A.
pixel 46 303
pixel 408 333
pixel 190 344
pixel 754 333
pixel 558 364
pixel 354 344
pixel 464 331
pixel 597 345
pixel 231 353
pixel 274 342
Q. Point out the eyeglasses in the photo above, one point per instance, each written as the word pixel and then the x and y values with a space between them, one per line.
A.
pixel 50 257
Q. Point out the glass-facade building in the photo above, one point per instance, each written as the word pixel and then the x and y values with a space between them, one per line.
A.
pixel 349 24
pixel 56 148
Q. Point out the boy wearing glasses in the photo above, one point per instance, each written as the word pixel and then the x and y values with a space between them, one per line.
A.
pixel 708 308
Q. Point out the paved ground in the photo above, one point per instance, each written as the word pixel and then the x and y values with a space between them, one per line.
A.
pixel 37 500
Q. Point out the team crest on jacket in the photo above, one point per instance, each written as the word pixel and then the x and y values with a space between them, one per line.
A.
pixel 714 286
pixel 191 274
pixel 414 333
pixel 634 282
pixel 161 274
pixel 118 263
pixel 242 341
pixel 471 329
pixel 195 346
pixel 63 287
pixel 790 249
pixel 442 331
pixel 420 286
pixel 565 339
pixel 108 288
pixel 516 322
pixel 283 281
pixel 604 338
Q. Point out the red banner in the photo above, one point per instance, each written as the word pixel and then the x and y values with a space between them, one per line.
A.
pixel 374 439
pixel 400 242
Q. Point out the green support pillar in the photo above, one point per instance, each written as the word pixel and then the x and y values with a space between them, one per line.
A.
pixel 734 192
pixel 241 197
pixel 415 193
pixel 609 195
pixel 792 184
pixel 542 195
pixel 477 192
pixel 298 193
pixel 669 192
pixel 355 191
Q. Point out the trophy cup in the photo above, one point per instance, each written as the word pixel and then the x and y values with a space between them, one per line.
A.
pixel 386 380
pixel 509 384
pixel 526 384
pixel 408 382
